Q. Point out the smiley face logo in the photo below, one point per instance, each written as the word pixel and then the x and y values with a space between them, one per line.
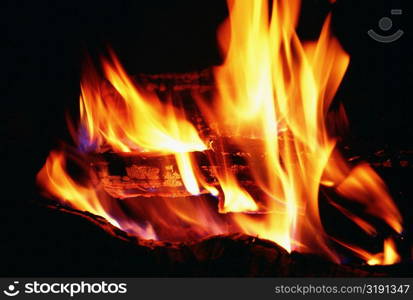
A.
pixel 385 24
pixel 12 290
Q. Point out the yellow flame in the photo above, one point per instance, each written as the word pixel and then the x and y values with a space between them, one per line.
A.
pixel 184 163
pixel 237 199
pixel 389 255
pixel 269 78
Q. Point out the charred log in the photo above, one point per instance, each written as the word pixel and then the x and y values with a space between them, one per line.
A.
pixel 236 255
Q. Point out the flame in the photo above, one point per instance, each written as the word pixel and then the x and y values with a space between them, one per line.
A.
pixel 273 101
pixel 389 255
pixel 131 119
pixel 236 199
pixel 56 182
pixel 366 187
pixel 184 163
pixel 269 78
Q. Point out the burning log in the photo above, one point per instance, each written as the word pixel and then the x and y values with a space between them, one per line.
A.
pixel 236 255
pixel 137 175
pixel 133 175
pixel 259 139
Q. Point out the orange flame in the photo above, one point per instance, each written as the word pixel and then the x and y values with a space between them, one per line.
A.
pixel 389 255
pixel 273 98
pixel 56 182
pixel 133 120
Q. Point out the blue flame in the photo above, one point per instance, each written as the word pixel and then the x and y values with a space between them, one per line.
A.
pixel 86 144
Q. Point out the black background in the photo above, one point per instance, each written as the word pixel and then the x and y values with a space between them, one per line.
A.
pixel 45 42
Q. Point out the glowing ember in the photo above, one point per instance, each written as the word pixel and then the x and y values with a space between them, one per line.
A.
pixel 272 89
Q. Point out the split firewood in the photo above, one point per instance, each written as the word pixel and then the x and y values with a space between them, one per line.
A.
pixel 150 176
